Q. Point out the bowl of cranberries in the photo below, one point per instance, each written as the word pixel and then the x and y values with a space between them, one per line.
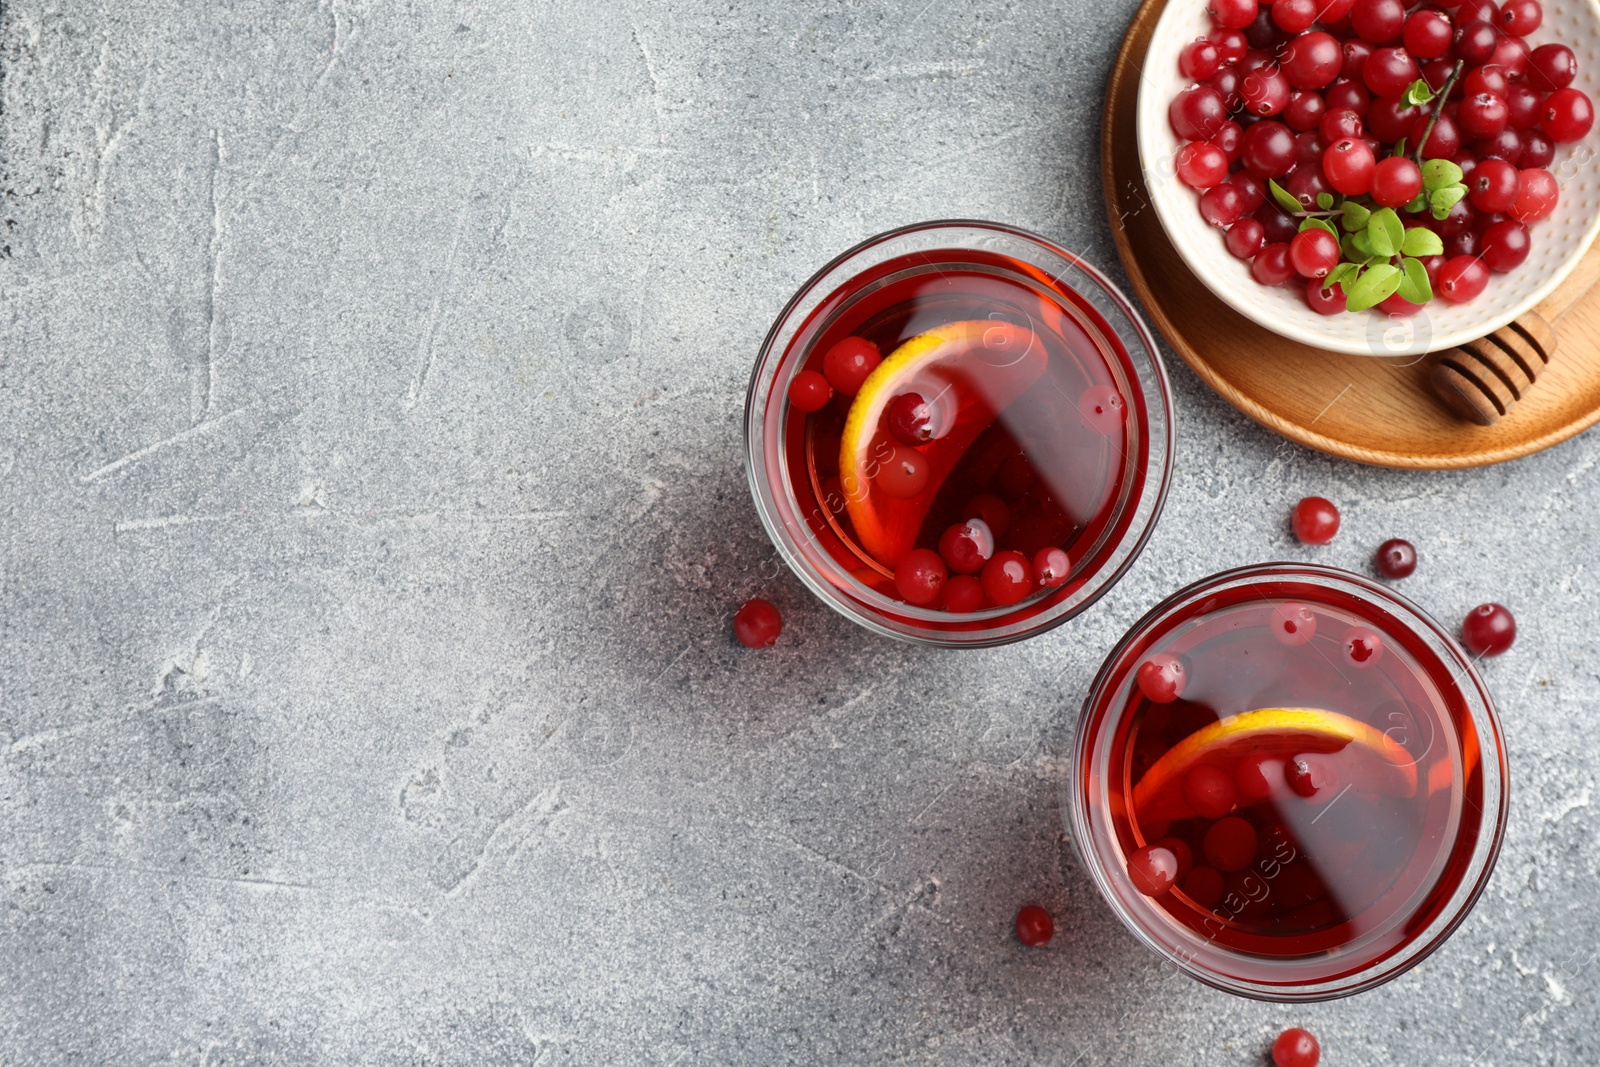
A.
pixel 1371 176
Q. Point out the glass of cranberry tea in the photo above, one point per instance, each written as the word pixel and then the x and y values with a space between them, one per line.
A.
pixel 1290 782
pixel 959 433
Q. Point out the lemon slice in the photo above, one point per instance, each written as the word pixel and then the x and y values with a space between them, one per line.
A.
pixel 1371 759
pixel 969 372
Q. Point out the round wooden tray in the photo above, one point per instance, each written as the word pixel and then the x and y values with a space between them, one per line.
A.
pixel 1366 408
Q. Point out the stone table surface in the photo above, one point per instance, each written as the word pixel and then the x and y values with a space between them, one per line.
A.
pixel 371 514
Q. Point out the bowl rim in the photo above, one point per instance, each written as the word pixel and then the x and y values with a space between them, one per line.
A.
pixel 1148 126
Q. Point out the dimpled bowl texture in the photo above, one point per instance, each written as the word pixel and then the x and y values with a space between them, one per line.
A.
pixel 1558 241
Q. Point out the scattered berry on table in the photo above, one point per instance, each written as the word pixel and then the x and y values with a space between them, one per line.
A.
pixel 1488 630
pixel 1396 558
pixel 1315 520
pixel 1296 1048
pixel 1034 925
pixel 757 624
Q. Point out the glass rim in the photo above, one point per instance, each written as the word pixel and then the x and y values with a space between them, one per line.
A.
pixel 1495 811
pixel 879 613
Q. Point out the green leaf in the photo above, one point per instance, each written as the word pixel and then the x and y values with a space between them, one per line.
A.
pixel 1399 149
pixel 1355 216
pixel 1414 285
pixel 1360 250
pixel 1417 204
pixel 1442 200
pixel 1325 200
pixel 1341 272
pixel 1438 173
pixel 1318 224
pixel 1285 198
pixel 1418 92
pixel 1421 241
pixel 1385 231
pixel 1376 284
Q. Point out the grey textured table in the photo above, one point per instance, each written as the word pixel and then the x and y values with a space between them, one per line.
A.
pixel 372 514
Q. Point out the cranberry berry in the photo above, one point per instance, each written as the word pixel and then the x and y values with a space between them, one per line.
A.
pixel 1153 870
pixel 1296 1048
pixel 1007 578
pixel 757 624
pixel 1396 558
pixel 1488 630
pixel 1293 623
pixel 847 364
pixel 967 546
pixel 1209 791
pixel 810 391
pixel 1034 925
pixel 1051 567
pixel 963 594
pixel 1362 647
pixel 1161 678
pixel 910 419
pixel 1315 520
pixel 921 576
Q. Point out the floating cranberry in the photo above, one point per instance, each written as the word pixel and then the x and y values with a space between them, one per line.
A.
pixel 1181 851
pixel 1296 1048
pixel 910 419
pixel 1204 886
pixel 902 472
pixel 1488 630
pixel 1051 567
pixel 1312 777
pixel 1034 925
pixel 1293 623
pixel 1007 578
pixel 1315 520
pixel 810 391
pixel 1208 790
pixel 962 594
pixel 1161 677
pixel 993 511
pixel 1258 777
pixel 1153 870
pixel 757 624
pixel 1396 558
pixel 1230 844
pixel 1362 647
pixel 848 363
pixel 967 546
pixel 921 576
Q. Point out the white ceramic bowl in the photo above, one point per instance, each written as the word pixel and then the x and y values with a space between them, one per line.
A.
pixel 1558 241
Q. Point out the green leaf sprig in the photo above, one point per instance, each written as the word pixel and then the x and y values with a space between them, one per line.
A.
pixel 1379 254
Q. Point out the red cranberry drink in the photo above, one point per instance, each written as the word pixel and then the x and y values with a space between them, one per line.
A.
pixel 959 433
pixel 1290 782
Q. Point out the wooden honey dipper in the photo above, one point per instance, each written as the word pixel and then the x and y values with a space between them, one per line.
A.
pixel 1482 380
